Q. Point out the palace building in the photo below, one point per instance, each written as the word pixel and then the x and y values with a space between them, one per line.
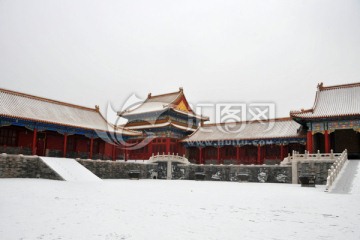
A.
pixel 334 120
pixel 166 124
pixel 32 125
pixel 164 120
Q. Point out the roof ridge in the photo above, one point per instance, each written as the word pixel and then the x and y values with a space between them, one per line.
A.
pixel 250 121
pixel 321 87
pixel 167 106
pixel 301 111
pixel 96 109
pixel 164 94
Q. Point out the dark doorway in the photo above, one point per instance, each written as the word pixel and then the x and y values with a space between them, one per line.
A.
pixel 319 142
pixel 41 144
pixel 347 139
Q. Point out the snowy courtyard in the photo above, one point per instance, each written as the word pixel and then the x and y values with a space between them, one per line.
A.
pixel 160 209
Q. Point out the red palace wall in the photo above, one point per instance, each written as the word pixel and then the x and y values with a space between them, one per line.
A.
pixel 25 138
pixel 54 141
pixel 82 145
pixel 108 149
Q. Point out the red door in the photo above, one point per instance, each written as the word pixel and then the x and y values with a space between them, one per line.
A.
pixel 40 145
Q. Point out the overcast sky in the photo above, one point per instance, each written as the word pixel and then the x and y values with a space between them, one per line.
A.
pixel 92 52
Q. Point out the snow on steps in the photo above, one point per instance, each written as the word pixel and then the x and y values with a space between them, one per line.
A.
pixel 348 180
pixel 70 170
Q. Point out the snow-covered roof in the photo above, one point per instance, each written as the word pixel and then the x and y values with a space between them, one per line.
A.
pixel 29 107
pixel 159 125
pixel 160 103
pixel 333 101
pixel 274 128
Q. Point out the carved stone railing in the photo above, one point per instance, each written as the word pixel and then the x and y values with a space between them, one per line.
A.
pixel 335 169
pixel 316 156
pixel 168 157
pixel 296 158
pixel 310 156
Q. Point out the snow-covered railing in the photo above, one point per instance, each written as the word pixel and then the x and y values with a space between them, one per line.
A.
pixel 333 172
pixel 297 157
pixel 168 157
pixel 315 156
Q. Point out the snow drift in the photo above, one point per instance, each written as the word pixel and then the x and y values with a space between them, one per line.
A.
pixel 70 170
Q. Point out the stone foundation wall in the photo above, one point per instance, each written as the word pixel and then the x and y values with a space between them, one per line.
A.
pixel 119 170
pixel 116 170
pixel 20 166
pixel 253 173
pixel 318 168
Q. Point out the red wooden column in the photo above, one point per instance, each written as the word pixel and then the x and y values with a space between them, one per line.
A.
pixel 238 155
pixel 125 154
pixel 281 152
pixel 113 152
pixel 218 156
pixel 91 147
pixel 309 142
pixel 167 146
pixel 258 154
pixel 150 148
pixel 65 144
pixel 327 141
pixel 33 150
pixel 200 155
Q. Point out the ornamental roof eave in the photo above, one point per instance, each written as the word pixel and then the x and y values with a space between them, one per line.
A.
pixel 332 102
pixel 302 137
pixel 111 129
pixel 160 125
pixel 307 117
pixel 251 130
pixel 191 114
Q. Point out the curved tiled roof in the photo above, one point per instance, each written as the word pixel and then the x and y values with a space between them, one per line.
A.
pixel 251 130
pixel 333 101
pixel 29 107
pixel 159 103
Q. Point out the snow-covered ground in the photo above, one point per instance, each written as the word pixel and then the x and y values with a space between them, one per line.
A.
pixel 161 209
pixel 70 170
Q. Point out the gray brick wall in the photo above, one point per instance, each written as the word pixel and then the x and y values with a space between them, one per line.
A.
pixel 19 166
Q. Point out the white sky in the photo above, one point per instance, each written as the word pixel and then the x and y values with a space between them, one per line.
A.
pixel 91 52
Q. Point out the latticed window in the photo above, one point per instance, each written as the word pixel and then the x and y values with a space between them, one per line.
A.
pixel 211 152
pixel 230 151
pixel 7 137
